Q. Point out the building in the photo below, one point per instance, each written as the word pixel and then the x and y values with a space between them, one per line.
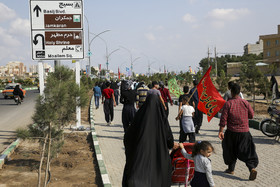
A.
pixel 33 68
pixel 15 68
pixel 271 50
pixel 3 70
pixel 254 48
pixel 48 68
pixel 234 68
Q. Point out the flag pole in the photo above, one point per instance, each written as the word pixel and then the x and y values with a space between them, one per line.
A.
pixel 192 94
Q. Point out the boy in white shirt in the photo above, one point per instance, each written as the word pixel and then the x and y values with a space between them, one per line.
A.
pixel 186 113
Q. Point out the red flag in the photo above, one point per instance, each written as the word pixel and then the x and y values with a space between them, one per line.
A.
pixel 119 73
pixel 210 100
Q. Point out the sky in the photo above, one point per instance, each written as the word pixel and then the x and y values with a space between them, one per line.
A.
pixel 171 33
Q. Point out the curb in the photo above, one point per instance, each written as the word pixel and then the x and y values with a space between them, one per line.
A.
pixel 8 151
pixel 98 153
pixel 31 88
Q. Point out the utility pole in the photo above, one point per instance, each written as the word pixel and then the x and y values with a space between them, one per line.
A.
pixel 216 62
pixel 208 53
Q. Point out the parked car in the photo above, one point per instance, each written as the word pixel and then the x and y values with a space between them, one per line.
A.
pixel 8 92
pixel 237 75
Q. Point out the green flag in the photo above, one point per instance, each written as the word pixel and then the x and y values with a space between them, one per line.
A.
pixel 174 88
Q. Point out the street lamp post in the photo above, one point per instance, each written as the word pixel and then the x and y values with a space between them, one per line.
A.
pixel 149 68
pixel 89 52
pixel 89 43
pixel 107 55
pixel 131 59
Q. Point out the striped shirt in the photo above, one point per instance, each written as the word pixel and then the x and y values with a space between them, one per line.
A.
pixel 141 95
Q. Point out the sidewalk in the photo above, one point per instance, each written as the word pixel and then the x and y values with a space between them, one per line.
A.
pixel 111 144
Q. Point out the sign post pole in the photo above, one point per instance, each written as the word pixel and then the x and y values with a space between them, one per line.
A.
pixel 78 109
pixel 41 78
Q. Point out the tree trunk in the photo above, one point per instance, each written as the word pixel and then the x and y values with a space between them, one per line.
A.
pixel 48 159
pixel 41 161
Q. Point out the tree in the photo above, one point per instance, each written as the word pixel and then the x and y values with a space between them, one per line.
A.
pixel 94 71
pixel 53 112
pixel 223 60
pixel 250 78
pixel 222 81
pixel 103 72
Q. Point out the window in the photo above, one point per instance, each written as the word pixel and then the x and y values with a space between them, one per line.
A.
pixel 277 53
pixel 276 42
pixel 268 54
pixel 268 43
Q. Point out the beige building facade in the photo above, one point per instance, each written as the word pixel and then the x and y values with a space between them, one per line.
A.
pixel 271 49
pixel 14 68
pixel 254 48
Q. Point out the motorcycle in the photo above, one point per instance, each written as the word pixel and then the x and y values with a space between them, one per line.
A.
pixel 17 99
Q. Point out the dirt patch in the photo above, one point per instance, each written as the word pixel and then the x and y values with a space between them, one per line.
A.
pixel 74 166
pixel 260 110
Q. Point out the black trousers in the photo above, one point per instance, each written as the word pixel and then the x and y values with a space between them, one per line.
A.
pixel 116 94
pixel 128 114
pixel 199 180
pixel 167 109
pixel 197 119
pixel 108 108
pixel 183 136
pixel 239 145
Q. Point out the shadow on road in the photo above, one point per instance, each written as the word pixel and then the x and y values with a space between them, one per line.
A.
pixel 10 136
pixel 7 131
pixel 105 124
pixel 225 175
pixel 114 131
pixel 262 140
pixel 111 137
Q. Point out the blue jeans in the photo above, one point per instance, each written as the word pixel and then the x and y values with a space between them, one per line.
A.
pixel 96 99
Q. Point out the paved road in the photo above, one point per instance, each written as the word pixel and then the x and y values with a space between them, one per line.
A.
pixel 13 116
pixel 111 144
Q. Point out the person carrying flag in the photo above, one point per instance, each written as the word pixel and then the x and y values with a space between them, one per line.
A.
pixel 198 115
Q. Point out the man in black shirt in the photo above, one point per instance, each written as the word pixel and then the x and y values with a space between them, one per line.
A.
pixel 198 115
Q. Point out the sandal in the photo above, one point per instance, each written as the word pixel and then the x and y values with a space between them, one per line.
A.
pixel 229 171
pixel 253 174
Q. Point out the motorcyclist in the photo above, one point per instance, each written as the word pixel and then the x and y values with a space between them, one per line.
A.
pixel 18 91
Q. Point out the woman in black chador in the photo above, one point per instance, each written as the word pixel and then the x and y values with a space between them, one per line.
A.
pixel 18 91
pixel 146 147
pixel 128 98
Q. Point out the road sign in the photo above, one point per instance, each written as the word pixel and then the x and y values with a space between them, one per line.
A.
pixel 57 29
